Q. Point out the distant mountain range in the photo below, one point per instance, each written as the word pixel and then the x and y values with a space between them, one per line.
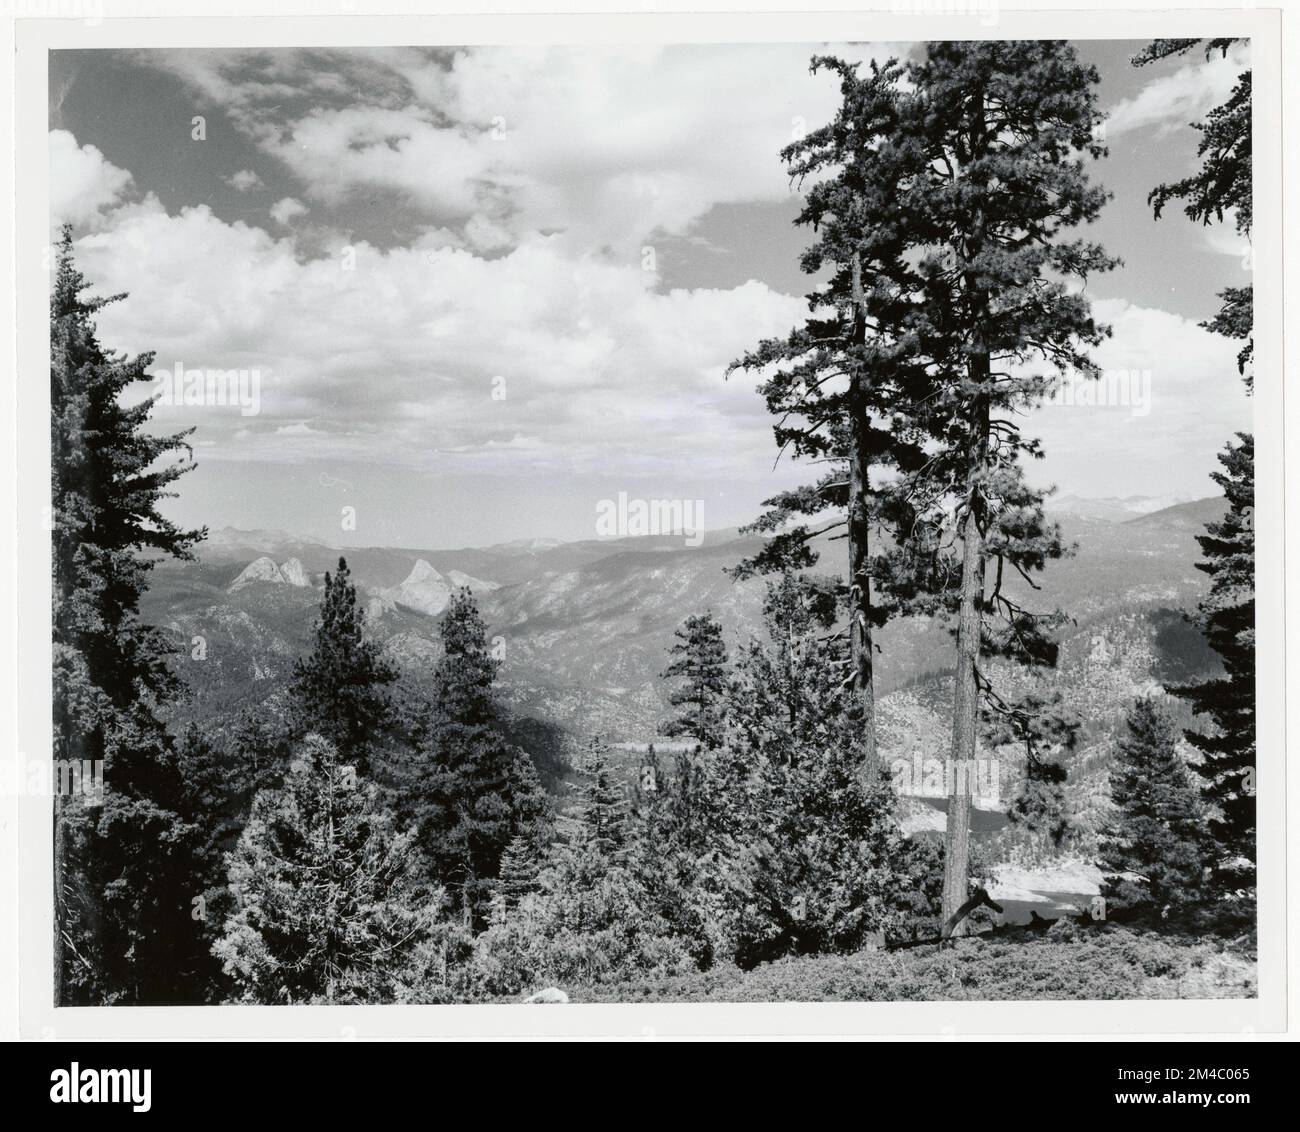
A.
pixel 586 626
pixel 1115 509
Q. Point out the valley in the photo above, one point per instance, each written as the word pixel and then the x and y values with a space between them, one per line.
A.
pixel 583 631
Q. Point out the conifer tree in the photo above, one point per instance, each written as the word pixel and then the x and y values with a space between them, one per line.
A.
pixel 126 870
pixel 684 812
pixel 1227 618
pixel 520 866
pixel 777 840
pixel 819 861
pixel 843 383
pixel 327 907
pixel 217 799
pixel 648 806
pixel 259 753
pixel 702 666
pixel 531 812
pixel 1222 185
pixel 589 922
pixel 650 817
pixel 787 681
pixel 986 154
pixel 340 689
pixel 650 782
pixel 686 804
pixel 472 790
pixel 590 914
pixel 604 808
pixel 1152 851
pixel 672 842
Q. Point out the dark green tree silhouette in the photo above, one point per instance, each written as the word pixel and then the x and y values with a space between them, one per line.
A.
pixel 1152 851
pixel 701 665
pixel 340 690
pixel 1227 618
pixel 126 869
pixel 844 384
pixel 472 790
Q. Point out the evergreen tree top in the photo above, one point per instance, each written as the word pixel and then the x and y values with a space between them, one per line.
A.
pixel 340 688
pixel 107 478
pixel 604 808
pixel 468 670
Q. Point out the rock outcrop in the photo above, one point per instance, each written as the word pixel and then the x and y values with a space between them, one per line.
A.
pixel 264 569
pixel 424 590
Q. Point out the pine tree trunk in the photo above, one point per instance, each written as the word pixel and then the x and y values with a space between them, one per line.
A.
pixel 965 719
pixel 60 849
pixel 860 604
pixel 859 532
pixel 467 892
pixel 970 618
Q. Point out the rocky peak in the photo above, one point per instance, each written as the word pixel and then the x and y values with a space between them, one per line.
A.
pixel 261 569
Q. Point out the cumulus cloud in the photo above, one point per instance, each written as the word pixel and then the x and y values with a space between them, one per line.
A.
pixel 83 182
pixel 433 357
pixel 283 211
pixel 1168 399
pixel 1173 100
pixel 536 362
pixel 244 181
pixel 506 143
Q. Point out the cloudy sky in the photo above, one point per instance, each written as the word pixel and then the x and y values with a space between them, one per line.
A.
pixel 486 288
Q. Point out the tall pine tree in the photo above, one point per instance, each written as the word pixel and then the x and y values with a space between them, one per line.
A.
pixel 1227 618
pixel 127 870
pixel 842 384
pixel 701 667
pixel 986 159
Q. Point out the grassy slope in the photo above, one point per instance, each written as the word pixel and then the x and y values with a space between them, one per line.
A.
pixel 1099 963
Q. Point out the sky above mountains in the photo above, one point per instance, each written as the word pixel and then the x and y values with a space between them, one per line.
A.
pixel 485 289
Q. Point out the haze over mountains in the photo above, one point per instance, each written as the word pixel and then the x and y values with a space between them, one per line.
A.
pixel 584 628
pixel 1114 508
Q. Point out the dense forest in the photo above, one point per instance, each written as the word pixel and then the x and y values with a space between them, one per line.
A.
pixel 378 841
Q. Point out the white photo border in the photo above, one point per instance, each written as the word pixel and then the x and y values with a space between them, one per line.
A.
pixel 32 714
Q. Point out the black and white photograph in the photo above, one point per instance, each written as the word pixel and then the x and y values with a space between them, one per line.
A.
pixel 640 519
